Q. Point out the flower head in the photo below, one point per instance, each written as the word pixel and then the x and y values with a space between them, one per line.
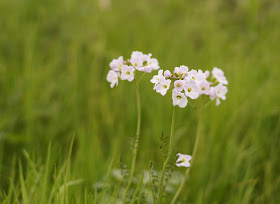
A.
pixel 179 99
pixel 183 160
pixel 219 75
pixel 163 86
pixel 127 73
pixel 204 87
pixel 191 89
pixel 218 92
pixel 156 78
pixel 197 76
pixel 112 77
pixel 117 63
pixel 124 70
pixel 179 85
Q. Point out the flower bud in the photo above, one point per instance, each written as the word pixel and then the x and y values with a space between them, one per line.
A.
pixel 207 73
pixel 167 74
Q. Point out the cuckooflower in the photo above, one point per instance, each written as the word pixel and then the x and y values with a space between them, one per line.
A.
pixel 191 89
pixel 163 86
pixel 179 85
pixel 156 78
pixel 167 74
pixel 219 75
pixel 127 73
pixel 112 77
pixel 204 87
pixel 218 92
pixel 179 99
pixel 197 76
pixel 183 160
pixel 117 64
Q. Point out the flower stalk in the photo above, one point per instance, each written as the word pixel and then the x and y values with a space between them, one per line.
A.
pixel 168 156
pixel 135 145
pixel 186 175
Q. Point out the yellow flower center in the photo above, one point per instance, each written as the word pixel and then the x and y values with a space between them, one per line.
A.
pixel 165 86
pixel 189 89
pixel 179 97
pixel 128 72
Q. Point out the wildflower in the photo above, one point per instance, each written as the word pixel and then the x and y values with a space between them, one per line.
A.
pixel 117 63
pixel 112 77
pixel 207 73
pixel 184 70
pixel 179 85
pixel 179 99
pixel 219 76
pixel 143 62
pixel 156 78
pixel 197 76
pixel 167 74
pixel 127 73
pixel 218 92
pixel 152 63
pixel 204 87
pixel 183 160
pixel 191 89
pixel 163 86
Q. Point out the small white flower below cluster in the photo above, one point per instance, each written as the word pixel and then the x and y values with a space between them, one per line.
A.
pixel 183 160
pixel 191 84
pixel 125 70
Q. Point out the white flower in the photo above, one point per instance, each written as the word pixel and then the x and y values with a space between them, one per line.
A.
pixel 156 78
pixel 127 73
pixel 117 64
pixel 112 77
pixel 184 70
pixel 179 85
pixel 197 76
pixel 191 89
pixel 143 62
pixel 163 86
pixel 204 87
pixel 137 59
pixel 176 70
pixel 183 160
pixel 218 92
pixel 167 74
pixel 219 75
pixel 179 99
pixel 152 63
pixel 207 73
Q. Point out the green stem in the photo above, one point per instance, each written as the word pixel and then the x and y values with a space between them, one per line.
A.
pixel 193 156
pixel 135 148
pixel 168 156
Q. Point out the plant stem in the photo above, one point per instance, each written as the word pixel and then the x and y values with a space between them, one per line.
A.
pixel 193 157
pixel 135 147
pixel 168 156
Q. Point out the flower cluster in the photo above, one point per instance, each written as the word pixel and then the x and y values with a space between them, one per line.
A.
pixel 124 69
pixel 191 84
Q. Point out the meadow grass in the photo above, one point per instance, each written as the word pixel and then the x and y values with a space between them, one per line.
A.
pixel 54 57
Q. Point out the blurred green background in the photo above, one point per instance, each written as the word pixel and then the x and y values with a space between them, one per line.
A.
pixel 54 58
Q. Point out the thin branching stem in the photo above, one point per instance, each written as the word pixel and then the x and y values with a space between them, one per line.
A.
pixel 135 147
pixel 168 156
pixel 193 157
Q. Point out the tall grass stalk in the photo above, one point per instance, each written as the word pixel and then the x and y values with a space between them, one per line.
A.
pixel 135 146
pixel 168 155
